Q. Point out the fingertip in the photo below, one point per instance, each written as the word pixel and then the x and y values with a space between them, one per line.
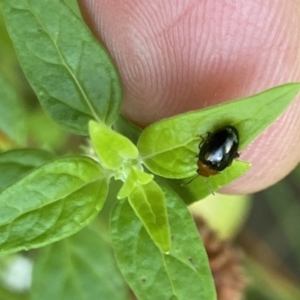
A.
pixel 178 57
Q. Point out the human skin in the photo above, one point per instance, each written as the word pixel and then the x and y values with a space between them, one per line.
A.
pixel 176 56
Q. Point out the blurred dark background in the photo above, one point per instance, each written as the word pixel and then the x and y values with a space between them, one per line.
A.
pixel 271 240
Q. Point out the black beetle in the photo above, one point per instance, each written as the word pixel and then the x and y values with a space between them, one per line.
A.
pixel 217 151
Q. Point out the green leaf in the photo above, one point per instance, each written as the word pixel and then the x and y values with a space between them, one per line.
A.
pixel 112 148
pixel 15 164
pixel 50 203
pixel 169 148
pixel 201 187
pixel 82 268
pixel 70 72
pixel 136 177
pixel 149 203
pixel 12 119
pixel 184 273
pixel 73 4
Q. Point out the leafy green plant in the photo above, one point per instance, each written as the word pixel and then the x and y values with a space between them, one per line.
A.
pixel 45 198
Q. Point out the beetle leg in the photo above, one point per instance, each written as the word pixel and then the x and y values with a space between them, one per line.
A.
pixel 203 139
